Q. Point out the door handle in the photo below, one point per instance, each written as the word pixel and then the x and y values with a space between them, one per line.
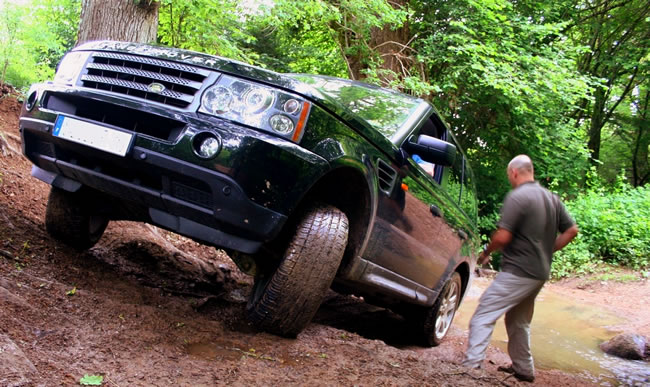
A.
pixel 435 211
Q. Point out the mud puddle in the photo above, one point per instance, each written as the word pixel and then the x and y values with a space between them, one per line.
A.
pixel 565 336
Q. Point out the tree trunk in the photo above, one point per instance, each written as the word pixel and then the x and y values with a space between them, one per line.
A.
pixel 596 125
pixel 640 167
pixel 4 72
pixel 125 20
pixel 392 47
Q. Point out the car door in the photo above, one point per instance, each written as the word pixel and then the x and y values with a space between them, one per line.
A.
pixel 415 233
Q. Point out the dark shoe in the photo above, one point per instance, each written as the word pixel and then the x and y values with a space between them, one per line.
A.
pixel 524 378
pixel 510 370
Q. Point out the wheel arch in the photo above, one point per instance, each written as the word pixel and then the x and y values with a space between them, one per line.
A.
pixel 348 189
pixel 464 271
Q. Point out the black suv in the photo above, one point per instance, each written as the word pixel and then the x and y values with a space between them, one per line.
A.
pixel 306 181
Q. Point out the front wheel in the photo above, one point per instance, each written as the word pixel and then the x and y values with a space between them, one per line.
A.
pixel 283 301
pixel 70 218
pixel 439 317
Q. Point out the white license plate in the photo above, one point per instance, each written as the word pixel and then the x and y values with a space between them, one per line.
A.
pixel 96 136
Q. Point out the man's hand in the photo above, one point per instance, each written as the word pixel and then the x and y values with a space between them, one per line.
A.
pixel 566 237
pixel 500 239
pixel 483 258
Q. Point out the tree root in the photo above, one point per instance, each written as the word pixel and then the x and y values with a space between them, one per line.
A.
pixel 8 222
pixel 5 148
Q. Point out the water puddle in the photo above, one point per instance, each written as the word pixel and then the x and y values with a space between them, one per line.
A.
pixel 225 351
pixel 566 336
pixel 209 351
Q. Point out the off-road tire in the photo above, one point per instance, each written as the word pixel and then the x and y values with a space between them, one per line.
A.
pixel 284 300
pixel 70 218
pixel 439 317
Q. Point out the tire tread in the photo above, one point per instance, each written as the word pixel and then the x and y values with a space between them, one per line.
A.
pixel 306 272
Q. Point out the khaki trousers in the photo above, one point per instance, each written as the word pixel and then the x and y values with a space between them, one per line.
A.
pixel 514 296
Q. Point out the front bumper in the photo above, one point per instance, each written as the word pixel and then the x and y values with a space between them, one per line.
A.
pixel 238 200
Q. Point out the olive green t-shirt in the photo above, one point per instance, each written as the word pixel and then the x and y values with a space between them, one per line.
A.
pixel 534 216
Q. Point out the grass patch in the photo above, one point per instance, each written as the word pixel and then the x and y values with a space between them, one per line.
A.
pixel 617 277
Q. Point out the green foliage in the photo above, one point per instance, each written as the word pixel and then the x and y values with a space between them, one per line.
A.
pixel 325 37
pixel 91 380
pixel 617 277
pixel 487 222
pixel 508 84
pixel 536 77
pixel 296 37
pixel 34 37
pixel 616 35
pixel 614 228
pixel 574 259
pixel 203 25
pixel 626 139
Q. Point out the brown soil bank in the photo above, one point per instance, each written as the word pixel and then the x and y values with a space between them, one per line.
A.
pixel 128 310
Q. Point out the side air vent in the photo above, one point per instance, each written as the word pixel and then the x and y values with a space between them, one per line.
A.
pixel 386 176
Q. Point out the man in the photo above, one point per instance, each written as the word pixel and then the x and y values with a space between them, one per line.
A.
pixel 527 233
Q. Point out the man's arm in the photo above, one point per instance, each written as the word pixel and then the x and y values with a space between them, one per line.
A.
pixel 566 237
pixel 500 239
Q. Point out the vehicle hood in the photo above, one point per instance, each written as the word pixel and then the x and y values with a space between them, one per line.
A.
pixel 290 82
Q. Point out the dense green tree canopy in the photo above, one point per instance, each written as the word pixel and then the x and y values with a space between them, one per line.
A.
pixel 565 81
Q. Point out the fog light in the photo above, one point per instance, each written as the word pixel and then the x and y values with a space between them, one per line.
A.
pixel 281 124
pixel 206 145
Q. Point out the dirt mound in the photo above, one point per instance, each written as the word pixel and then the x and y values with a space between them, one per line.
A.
pixel 7 90
pixel 147 307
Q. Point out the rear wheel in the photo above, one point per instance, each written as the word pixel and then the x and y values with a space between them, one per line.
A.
pixel 285 299
pixel 439 317
pixel 70 218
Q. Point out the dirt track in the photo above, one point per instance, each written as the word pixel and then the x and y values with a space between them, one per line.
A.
pixel 130 310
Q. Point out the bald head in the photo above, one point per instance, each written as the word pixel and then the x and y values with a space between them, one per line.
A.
pixel 521 163
pixel 520 170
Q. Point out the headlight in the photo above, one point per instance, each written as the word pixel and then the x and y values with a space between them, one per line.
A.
pixel 217 100
pixel 70 67
pixel 258 106
pixel 257 100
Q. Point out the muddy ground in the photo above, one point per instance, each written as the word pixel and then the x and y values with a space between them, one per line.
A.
pixel 148 307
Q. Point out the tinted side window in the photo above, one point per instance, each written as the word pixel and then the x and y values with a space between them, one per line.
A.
pixel 434 129
pixel 452 178
pixel 458 181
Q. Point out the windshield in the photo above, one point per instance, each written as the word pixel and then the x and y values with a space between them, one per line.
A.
pixel 385 110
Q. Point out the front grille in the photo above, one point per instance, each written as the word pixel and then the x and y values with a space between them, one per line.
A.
pixel 185 188
pixel 133 120
pixel 132 75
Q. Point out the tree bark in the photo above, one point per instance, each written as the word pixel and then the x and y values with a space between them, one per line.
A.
pixel 640 170
pixel 596 124
pixel 392 47
pixel 124 20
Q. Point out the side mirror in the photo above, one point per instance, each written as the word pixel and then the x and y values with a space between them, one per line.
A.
pixel 432 150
